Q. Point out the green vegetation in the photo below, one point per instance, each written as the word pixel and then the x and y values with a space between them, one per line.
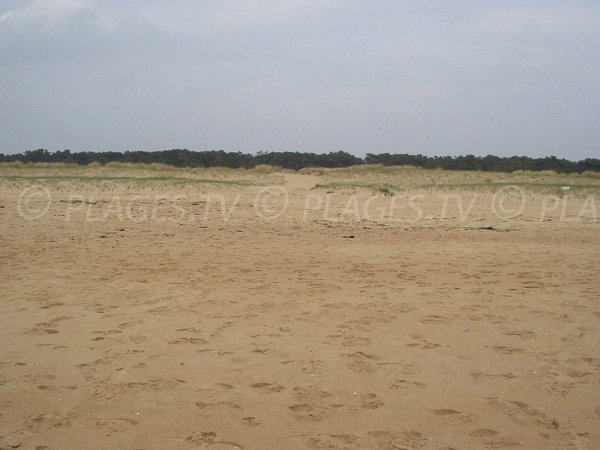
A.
pixel 385 191
pixel 135 179
pixel 388 183
pixel 296 160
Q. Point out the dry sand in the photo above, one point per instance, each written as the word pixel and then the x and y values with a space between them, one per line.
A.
pixel 295 332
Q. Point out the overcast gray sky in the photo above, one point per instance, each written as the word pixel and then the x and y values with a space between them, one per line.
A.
pixel 432 77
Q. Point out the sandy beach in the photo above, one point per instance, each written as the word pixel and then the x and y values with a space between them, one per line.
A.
pixel 238 313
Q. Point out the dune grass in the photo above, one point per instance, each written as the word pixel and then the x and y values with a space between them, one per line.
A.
pixel 137 174
pixel 385 179
pixel 125 178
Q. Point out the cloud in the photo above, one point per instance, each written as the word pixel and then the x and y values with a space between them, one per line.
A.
pixel 429 76
pixel 541 20
pixel 46 10
pixel 6 16
pixel 201 18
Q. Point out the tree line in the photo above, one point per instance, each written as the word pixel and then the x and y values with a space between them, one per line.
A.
pixel 297 160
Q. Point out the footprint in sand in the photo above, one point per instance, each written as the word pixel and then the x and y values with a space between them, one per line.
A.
pixel 445 412
pixel 370 401
pixel 361 362
pixel 209 438
pixel 333 441
pixel 51 305
pixel 506 376
pixel 405 439
pixel 41 329
pixel 423 345
pixel 115 425
pixel 188 340
pixel 125 325
pixel 309 392
pixel 523 334
pixel 507 350
pixel 349 340
pixel 190 330
pixel 267 387
pixel 406 384
pixel 523 413
pixel 138 339
pixel 204 405
pixel 38 378
pixel 251 421
pixel 309 411
pixel 48 421
pixel 433 318
pixel 310 367
pixel 374 320
pixel 454 414
pixel 107 333
pixel 493 439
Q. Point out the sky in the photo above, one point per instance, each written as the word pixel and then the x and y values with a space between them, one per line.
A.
pixel 363 76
